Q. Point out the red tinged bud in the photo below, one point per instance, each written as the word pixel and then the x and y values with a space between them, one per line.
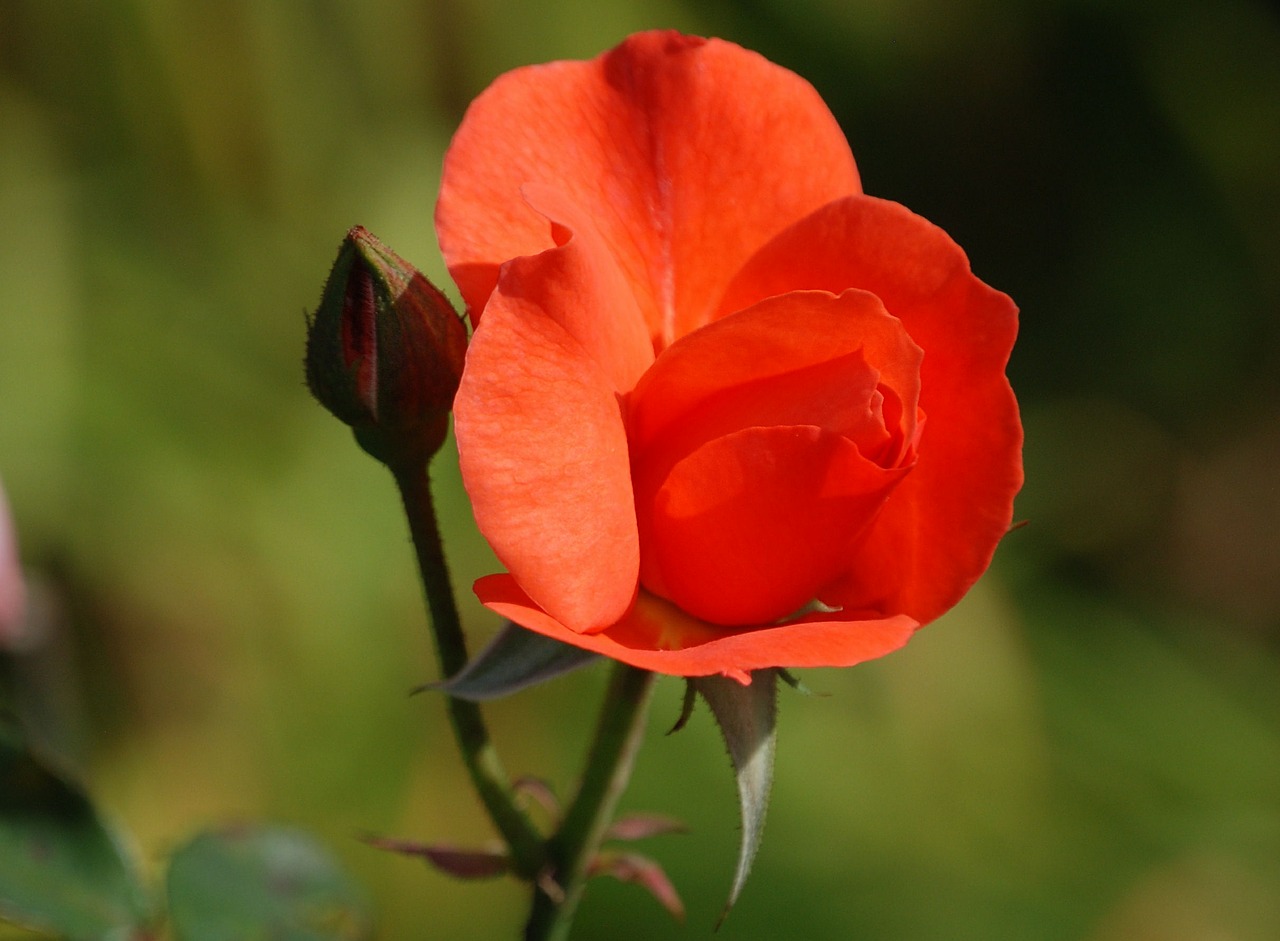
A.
pixel 385 351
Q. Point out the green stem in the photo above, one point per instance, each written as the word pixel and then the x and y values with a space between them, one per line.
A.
pixel 618 737
pixel 481 758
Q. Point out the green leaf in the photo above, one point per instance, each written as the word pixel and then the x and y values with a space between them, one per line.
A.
pixel 62 870
pixel 746 716
pixel 262 882
pixel 516 658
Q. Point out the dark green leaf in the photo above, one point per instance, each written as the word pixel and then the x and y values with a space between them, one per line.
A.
pixel 62 870
pixel 515 659
pixel 262 882
pixel 746 716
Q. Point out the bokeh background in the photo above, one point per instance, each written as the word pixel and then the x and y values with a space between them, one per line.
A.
pixel 226 622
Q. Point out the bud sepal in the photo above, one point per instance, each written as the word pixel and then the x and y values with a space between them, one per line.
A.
pixel 385 351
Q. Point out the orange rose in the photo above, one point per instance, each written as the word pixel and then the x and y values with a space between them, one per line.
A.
pixel 721 410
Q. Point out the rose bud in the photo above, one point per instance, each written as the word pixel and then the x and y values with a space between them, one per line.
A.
pixel 385 351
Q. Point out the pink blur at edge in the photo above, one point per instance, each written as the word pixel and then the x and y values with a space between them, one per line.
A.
pixel 13 593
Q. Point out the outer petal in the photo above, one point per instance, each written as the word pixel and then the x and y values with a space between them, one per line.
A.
pixel 583 289
pixel 937 533
pixel 656 635
pixel 541 440
pixel 688 153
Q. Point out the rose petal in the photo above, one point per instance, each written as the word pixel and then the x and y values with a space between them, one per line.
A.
pixel 938 532
pixel 748 528
pixel 663 141
pixel 734 366
pixel 541 441
pixel 656 635
pixel 582 288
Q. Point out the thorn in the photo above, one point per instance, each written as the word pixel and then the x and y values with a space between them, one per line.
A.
pixel 686 708
pixel 539 791
pixel 552 889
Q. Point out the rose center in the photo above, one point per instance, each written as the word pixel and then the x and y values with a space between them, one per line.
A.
pixel 752 501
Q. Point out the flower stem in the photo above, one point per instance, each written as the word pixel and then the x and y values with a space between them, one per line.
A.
pixel 478 753
pixel 570 850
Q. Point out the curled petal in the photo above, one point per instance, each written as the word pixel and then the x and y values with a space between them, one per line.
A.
pixel 786 360
pixel 656 635
pixel 937 534
pixel 580 285
pixel 748 528
pixel 663 141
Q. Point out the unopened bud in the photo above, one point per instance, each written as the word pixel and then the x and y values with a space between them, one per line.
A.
pixel 385 351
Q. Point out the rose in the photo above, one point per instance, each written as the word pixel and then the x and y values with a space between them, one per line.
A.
pixel 721 411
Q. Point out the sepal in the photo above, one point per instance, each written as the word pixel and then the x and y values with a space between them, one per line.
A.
pixel 686 707
pixel 514 660
pixel 747 719
pixel 385 351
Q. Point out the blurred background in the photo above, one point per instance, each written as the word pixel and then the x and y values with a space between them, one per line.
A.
pixel 226 622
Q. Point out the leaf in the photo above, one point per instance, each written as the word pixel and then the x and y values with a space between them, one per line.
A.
pixel 62 869
pixel 262 882
pixel 643 826
pixel 515 659
pixel 642 871
pixel 746 716
pixel 451 860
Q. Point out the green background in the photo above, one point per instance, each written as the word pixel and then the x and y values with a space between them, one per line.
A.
pixel 1087 748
